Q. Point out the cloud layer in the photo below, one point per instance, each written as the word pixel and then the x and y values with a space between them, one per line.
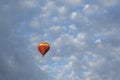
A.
pixel 84 39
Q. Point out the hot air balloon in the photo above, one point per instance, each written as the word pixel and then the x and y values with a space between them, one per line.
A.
pixel 43 47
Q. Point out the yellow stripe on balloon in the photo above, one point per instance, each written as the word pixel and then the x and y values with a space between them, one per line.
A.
pixel 42 44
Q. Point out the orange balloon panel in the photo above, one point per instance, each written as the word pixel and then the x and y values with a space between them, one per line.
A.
pixel 43 47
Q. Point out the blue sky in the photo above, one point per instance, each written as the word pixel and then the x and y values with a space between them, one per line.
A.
pixel 83 34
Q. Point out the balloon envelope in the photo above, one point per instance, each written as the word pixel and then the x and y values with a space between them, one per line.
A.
pixel 43 47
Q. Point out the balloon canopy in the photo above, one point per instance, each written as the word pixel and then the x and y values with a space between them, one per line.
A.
pixel 43 47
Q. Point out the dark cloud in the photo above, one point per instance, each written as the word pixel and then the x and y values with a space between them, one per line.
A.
pixel 17 62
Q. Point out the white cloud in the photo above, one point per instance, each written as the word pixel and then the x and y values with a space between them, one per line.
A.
pixel 99 42
pixel 34 38
pixel 72 27
pixel 62 10
pixel 56 58
pixel 79 18
pixel 80 37
pixel 73 15
pixel 91 76
pixel 108 3
pixel 56 29
pixel 73 3
pixel 49 8
pixel 68 42
pixel 35 24
pixel 28 3
pixel 90 9
pixel 97 63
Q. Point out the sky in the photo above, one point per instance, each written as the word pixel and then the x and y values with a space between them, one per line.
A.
pixel 83 34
